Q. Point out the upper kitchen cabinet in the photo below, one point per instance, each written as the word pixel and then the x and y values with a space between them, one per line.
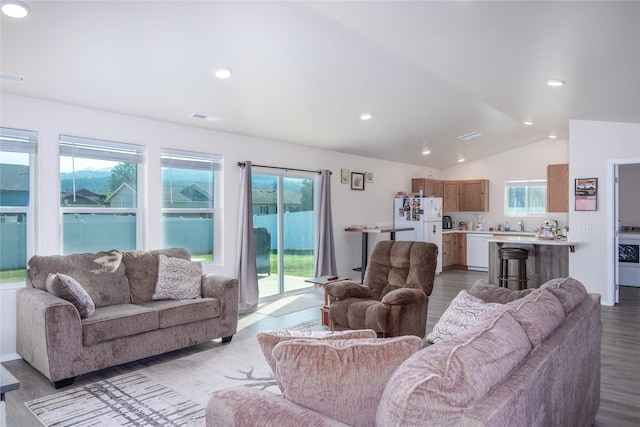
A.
pixel 473 195
pixel 450 199
pixel 558 188
pixel 430 187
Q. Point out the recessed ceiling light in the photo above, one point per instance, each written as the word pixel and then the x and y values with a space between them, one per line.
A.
pixel 528 123
pixel 366 116
pixel 469 136
pixel 552 136
pixel 12 77
pixel 205 117
pixel 222 73
pixel 555 82
pixel 426 152
pixel 460 160
pixel 15 8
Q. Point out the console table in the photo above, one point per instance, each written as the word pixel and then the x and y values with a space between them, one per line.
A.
pixel 366 230
pixel 7 383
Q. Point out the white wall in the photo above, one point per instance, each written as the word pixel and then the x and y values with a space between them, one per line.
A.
pixel 528 161
pixel 594 147
pixel 372 206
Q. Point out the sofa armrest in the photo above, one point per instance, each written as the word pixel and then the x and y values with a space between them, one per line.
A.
pixel 347 289
pixel 404 296
pixel 489 292
pixel 245 406
pixel 226 290
pixel 49 332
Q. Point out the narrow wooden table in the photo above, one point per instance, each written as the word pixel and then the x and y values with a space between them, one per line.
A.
pixel 365 230
pixel 324 281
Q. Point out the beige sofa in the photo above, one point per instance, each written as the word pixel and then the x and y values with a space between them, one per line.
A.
pixel 128 324
pixel 533 361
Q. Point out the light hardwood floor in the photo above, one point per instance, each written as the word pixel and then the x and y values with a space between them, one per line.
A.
pixel 620 389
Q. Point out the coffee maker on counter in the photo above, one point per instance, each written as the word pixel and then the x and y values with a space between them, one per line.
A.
pixel 447 224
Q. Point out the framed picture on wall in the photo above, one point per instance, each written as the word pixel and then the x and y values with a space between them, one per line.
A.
pixel 357 181
pixel 344 176
pixel 586 193
pixel 368 177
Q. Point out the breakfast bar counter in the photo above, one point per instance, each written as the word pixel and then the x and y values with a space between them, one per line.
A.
pixel 548 258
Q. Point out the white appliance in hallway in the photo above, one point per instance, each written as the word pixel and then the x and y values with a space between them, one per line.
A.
pixel 629 256
pixel 424 214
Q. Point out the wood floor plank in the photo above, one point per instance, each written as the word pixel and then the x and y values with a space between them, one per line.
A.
pixel 620 385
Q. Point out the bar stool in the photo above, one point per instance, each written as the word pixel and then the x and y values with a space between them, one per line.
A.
pixel 518 254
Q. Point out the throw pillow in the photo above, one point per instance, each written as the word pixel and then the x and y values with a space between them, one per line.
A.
pixel 67 288
pixel 464 311
pixel 177 279
pixel 342 379
pixel 269 339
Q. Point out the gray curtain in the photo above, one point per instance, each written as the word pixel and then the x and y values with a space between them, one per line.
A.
pixel 246 270
pixel 326 259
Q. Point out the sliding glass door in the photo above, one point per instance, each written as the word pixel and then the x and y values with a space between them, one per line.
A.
pixel 284 231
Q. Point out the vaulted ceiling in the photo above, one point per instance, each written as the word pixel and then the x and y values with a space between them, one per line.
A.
pixel 303 72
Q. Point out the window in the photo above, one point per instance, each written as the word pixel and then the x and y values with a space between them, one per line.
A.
pixel 189 201
pixel 17 151
pixel 99 194
pixel 525 197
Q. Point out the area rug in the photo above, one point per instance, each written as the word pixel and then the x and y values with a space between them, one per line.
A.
pixel 288 305
pixel 166 390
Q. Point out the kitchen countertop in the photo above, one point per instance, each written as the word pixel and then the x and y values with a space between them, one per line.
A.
pixel 494 233
pixel 532 240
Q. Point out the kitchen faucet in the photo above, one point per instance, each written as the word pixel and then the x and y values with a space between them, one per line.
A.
pixel 521 224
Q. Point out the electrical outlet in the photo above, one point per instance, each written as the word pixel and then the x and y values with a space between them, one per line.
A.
pixel 586 229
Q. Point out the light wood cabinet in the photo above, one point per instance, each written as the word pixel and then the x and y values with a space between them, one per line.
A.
pixel 430 187
pixel 462 249
pixel 447 249
pixel 450 197
pixel 454 250
pixel 474 195
pixel 558 188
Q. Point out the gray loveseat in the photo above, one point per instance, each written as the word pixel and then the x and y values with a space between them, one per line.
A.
pixel 128 324
pixel 533 361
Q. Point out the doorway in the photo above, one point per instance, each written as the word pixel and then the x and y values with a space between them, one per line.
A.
pixel 284 231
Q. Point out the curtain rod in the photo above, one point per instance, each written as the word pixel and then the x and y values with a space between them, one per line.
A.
pixel 241 164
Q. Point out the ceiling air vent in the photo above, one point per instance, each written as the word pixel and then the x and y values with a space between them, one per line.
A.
pixel 205 117
pixel 469 136
pixel 11 77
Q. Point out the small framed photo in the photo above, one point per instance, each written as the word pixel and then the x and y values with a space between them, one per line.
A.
pixel 344 176
pixel 357 181
pixel 368 177
pixel 586 192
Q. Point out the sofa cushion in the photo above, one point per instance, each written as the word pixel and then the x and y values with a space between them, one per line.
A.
pixel 463 312
pixel 539 314
pixel 67 288
pixel 178 279
pixel 569 292
pixel 180 312
pixel 142 270
pixel 436 384
pixel 488 292
pixel 119 320
pixel 343 379
pixel 101 274
pixel 269 339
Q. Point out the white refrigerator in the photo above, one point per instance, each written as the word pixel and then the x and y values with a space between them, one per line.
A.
pixel 424 214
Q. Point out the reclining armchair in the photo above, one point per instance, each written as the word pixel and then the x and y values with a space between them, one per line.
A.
pixel 394 297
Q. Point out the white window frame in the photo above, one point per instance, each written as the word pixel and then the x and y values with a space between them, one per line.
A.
pixel 526 183
pixel 179 159
pixel 22 141
pixel 89 148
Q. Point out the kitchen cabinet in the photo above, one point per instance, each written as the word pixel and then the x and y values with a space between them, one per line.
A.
pixel 558 188
pixel 454 250
pixel 447 249
pixel 430 187
pixel 473 195
pixel 450 197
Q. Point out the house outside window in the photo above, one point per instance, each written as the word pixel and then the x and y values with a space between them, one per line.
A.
pixel 189 201
pixel 525 197
pixel 17 153
pixel 99 194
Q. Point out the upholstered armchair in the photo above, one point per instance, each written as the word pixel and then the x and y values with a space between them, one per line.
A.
pixel 394 296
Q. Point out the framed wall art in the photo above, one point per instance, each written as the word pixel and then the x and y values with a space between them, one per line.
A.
pixel 586 193
pixel 368 177
pixel 344 176
pixel 357 181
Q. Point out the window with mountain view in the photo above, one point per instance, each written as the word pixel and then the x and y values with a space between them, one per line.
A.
pixel 99 194
pixel 17 152
pixel 189 202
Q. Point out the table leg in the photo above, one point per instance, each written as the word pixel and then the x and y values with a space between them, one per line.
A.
pixel 365 253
